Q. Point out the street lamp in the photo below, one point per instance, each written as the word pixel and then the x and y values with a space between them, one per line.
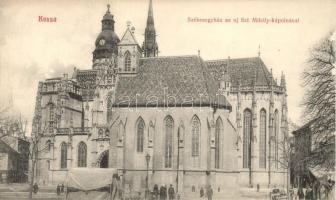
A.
pixel 147 162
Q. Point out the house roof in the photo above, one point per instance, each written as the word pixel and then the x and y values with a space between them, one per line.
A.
pixel 4 147
pixel 243 70
pixel 173 80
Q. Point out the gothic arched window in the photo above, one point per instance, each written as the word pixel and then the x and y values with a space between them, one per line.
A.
pixel 51 118
pixel 127 61
pixel 247 129
pixel 64 155
pixel 48 144
pixel 140 134
pixel 169 127
pixel 195 136
pixel 82 154
pixel 100 133
pixel 219 128
pixel 276 135
pixel 262 139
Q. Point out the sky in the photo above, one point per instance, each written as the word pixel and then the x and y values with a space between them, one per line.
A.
pixel 33 51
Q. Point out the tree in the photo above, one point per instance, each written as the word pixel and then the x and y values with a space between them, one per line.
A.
pixel 319 101
pixel 35 148
pixel 284 160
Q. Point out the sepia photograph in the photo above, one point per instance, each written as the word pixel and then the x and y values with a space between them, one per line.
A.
pixel 167 100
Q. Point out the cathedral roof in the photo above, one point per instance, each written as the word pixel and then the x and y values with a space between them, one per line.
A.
pixel 243 70
pixel 178 80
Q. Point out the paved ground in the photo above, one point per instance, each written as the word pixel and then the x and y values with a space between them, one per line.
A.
pixel 20 192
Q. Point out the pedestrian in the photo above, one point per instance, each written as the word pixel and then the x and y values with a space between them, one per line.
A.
pixel 163 194
pixel 62 188
pixel 309 193
pixel 156 192
pixel 202 193
pixel 300 193
pixel 304 190
pixel 295 193
pixel 171 192
pixel 209 193
pixel 58 190
pixel 35 188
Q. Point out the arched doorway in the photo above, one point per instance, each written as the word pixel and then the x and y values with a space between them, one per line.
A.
pixel 103 159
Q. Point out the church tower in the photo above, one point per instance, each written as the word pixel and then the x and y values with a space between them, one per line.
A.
pixel 107 40
pixel 150 47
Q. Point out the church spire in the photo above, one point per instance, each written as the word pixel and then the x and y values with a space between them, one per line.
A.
pixel 150 47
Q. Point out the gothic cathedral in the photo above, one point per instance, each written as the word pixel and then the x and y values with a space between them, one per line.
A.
pixel 200 122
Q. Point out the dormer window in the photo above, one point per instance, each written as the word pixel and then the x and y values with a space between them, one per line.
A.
pixel 127 62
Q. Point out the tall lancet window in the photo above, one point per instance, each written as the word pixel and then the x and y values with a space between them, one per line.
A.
pixel 51 118
pixel 276 135
pixel 247 138
pixel 262 139
pixel 82 152
pixel 195 135
pixel 64 155
pixel 169 127
pixel 219 128
pixel 140 134
pixel 127 61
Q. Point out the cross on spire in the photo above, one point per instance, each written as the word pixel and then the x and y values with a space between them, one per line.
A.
pixel 108 7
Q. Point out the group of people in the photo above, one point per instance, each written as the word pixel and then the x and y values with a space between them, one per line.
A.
pixel 59 189
pixel 208 194
pixel 308 193
pixel 163 193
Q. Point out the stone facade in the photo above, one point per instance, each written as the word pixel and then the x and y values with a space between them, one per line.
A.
pixel 199 121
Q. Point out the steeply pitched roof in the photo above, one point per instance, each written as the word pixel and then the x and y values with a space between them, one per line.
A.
pixel 128 38
pixel 178 80
pixel 245 70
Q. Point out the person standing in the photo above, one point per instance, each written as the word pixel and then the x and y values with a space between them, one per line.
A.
pixel 62 188
pixel 209 193
pixel 35 188
pixel 58 190
pixel 156 191
pixel 171 192
pixel 295 193
pixel 202 193
pixel 162 193
pixel 300 193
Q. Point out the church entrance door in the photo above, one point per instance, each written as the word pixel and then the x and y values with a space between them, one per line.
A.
pixel 103 159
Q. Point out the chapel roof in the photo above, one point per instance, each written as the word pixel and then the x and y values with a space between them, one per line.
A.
pixel 243 70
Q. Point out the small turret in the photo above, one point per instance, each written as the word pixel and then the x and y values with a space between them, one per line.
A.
pixel 283 81
pixel 225 82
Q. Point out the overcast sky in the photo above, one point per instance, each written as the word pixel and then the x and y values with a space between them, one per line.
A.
pixel 32 51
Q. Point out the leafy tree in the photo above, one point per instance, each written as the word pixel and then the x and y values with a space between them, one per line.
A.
pixel 319 101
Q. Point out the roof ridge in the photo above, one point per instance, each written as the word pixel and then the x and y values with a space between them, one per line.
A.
pixel 182 56
pixel 225 59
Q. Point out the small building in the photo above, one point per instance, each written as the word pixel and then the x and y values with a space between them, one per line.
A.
pixel 313 161
pixel 14 156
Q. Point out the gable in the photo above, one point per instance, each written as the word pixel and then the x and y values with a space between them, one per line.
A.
pixel 128 38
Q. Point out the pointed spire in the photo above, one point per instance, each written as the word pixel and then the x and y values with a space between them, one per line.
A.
pixel 283 80
pixel 150 9
pixel 259 50
pixel 150 47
